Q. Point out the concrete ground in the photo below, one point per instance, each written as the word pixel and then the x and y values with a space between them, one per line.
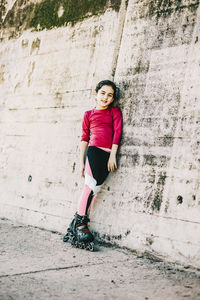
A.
pixel 36 264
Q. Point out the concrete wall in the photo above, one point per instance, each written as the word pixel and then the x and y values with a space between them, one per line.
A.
pixel 47 76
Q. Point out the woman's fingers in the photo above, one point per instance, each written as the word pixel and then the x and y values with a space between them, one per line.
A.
pixel 112 166
pixel 82 172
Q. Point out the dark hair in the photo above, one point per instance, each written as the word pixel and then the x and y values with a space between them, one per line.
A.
pixel 110 83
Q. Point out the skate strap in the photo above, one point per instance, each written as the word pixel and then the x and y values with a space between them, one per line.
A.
pixel 82 226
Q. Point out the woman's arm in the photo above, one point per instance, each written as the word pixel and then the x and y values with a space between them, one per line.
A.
pixel 112 163
pixel 83 147
pixel 84 141
pixel 117 126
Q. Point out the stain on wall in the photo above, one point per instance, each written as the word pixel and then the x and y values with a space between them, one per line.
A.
pixel 35 45
pixel 2 10
pixel 47 14
pixel 2 79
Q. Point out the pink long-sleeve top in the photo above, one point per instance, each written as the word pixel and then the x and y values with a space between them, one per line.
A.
pixel 102 127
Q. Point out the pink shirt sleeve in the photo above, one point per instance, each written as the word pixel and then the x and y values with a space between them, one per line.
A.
pixel 85 128
pixel 117 125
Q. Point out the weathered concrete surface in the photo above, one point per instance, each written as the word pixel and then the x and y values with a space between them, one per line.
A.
pixel 152 50
pixel 36 264
pixel 158 181
pixel 46 87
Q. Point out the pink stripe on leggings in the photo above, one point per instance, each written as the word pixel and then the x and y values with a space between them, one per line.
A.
pixel 86 192
pixel 84 200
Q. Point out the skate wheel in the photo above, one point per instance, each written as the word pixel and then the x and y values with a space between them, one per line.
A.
pixel 90 247
pixel 76 244
pixel 65 237
pixel 82 246
pixel 73 241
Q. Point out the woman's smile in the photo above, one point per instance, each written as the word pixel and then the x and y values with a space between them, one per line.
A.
pixel 104 97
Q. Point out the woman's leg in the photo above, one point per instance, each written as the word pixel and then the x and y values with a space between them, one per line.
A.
pixel 85 200
pixel 96 171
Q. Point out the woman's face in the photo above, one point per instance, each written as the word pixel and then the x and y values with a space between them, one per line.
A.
pixel 104 97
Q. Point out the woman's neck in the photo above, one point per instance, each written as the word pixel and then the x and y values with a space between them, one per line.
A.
pixel 101 108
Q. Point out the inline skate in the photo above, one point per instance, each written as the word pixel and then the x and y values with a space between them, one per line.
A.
pixel 78 233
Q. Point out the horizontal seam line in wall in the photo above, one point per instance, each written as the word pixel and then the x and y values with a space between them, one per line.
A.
pixel 158 216
pixel 37 54
pixel 37 211
pixel 164 217
pixel 48 107
pixel 53 94
pixel 177 219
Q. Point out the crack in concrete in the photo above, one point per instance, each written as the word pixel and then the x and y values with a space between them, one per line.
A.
pixel 122 14
pixel 56 269
pixel 40 271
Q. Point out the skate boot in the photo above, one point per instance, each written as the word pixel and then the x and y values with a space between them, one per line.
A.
pixel 78 233
pixel 69 235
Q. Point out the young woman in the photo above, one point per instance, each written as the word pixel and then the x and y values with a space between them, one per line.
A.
pixel 101 133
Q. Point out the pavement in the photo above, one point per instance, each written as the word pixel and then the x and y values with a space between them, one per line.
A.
pixel 36 264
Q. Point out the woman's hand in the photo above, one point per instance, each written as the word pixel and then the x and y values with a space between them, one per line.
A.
pixel 83 147
pixel 112 163
pixel 82 169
